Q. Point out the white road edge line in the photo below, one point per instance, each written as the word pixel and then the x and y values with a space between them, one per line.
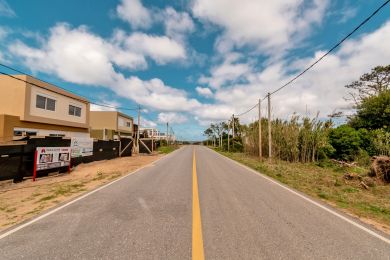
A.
pixel 384 239
pixel 80 198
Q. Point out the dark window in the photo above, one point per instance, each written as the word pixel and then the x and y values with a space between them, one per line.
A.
pixel 128 124
pixel 18 133
pixel 74 111
pixel 41 102
pixel 71 110
pixel 50 104
pixel 77 111
pixel 46 103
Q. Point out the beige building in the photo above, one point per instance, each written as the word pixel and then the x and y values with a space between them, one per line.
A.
pixel 37 108
pixel 109 125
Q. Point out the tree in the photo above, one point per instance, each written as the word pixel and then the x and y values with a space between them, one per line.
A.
pixel 373 113
pixel 370 84
pixel 346 141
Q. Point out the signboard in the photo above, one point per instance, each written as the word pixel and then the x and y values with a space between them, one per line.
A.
pixel 52 157
pixel 81 147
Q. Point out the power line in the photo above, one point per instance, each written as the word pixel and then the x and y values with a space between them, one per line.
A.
pixel 331 49
pixel 31 83
pixel 323 56
pixel 247 111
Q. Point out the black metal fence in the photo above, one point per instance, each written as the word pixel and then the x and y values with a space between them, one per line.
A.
pixel 17 161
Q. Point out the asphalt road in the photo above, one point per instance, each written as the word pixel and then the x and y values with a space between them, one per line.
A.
pixel 152 215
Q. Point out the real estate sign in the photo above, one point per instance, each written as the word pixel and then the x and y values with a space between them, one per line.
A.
pixel 52 157
pixel 81 147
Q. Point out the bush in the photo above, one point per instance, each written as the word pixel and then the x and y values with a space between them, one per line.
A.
pixel 346 141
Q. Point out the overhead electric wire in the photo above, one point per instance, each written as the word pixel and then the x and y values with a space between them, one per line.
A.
pixel 34 84
pixel 331 49
pixel 323 56
pixel 249 110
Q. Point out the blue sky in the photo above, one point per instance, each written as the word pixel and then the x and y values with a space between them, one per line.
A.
pixel 195 62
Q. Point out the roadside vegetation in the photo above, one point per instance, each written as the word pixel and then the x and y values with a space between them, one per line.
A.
pixel 165 149
pixel 346 165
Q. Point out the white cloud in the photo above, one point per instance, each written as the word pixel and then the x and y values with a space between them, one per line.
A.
pixel 270 26
pixel 205 92
pixel 177 24
pixel 6 10
pixel 78 56
pixel 160 48
pixel 320 89
pixel 134 13
pixel 172 118
pixel 147 123
pixel 229 72
pixel 3 32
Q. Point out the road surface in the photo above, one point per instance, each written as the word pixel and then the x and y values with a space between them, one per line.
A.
pixel 191 204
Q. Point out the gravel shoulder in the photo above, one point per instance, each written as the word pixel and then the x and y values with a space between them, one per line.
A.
pixel 22 201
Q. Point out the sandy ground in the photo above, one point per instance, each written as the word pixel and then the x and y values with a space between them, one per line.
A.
pixel 22 201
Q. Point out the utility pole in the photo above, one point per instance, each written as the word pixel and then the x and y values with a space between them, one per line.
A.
pixel 269 127
pixel 152 140
pixel 260 150
pixel 167 133
pixel 139 126
pixel 228 136
pixel 233 132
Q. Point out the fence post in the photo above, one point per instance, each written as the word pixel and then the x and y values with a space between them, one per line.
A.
pixel 35 164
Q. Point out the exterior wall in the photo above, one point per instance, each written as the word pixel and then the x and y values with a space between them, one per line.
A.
pixel 8 123
pixel 103 119
pixel 13 95
pixel 18 99
pixel 122 124
pixel 114 123
pixel 62 107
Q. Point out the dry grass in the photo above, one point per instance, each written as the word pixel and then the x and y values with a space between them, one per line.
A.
pixel 326 182
pixel 22 201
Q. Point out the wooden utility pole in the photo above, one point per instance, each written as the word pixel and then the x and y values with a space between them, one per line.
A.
pixel 152 140
pixel 269 127
pixel 228 136
pixel 167 133
pixel 233 131
pixel 139 126
pixel 260 150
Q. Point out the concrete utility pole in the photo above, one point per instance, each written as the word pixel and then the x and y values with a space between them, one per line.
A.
pixel 139 126
pixel 260 150
pixel 233 131
pixel 269 127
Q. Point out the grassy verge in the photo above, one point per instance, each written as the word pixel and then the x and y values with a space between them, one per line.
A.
pixel 326 181
pixel 167 149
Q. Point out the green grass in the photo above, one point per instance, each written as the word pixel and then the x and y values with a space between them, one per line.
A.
pixel 325 181
pixel 167 149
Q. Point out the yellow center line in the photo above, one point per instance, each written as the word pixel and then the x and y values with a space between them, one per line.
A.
pixel 197 239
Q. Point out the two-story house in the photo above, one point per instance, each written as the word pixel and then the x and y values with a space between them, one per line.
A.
pixel 110 125
pixel 35 108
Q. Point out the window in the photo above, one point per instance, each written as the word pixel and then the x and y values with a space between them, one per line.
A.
pixel 128 124
pixel 74 111
pixel 45 103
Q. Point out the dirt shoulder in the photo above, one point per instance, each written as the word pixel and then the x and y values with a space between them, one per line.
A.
pixel 328 183
pixel 22 201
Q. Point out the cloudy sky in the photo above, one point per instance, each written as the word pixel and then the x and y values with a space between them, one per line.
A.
pixel 199 61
